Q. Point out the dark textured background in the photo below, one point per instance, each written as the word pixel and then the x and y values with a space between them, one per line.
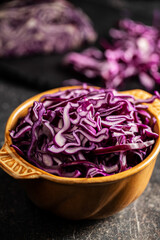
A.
pixel 23 78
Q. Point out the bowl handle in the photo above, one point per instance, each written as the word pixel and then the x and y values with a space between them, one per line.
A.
pixel 16 167
pixel 154 107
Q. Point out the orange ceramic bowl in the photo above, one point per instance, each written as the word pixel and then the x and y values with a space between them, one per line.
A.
pixel 79 198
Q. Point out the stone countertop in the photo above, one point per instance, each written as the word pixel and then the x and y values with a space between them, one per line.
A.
pixel 20 219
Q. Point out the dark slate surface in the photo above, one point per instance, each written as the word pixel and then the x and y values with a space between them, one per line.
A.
pixel 19 218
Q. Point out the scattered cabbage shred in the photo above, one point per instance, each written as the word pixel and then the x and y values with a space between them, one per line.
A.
pixel 85 132
pixel 132 53
pixel 28 27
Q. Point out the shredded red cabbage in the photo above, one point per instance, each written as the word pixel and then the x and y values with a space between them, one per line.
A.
pixel 85 132
pixel 134 51
pixel 28 27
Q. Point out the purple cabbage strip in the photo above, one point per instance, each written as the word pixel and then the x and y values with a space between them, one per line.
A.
pixel 28 27
pixel 85 132
pixel 134 51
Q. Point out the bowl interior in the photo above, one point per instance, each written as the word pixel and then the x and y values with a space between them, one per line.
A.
pixel 22 110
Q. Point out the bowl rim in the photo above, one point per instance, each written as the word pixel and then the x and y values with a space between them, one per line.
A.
pixel 84 181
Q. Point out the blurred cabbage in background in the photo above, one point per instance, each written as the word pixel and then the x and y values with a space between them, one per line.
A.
pixel 29 27
pixel 131 51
